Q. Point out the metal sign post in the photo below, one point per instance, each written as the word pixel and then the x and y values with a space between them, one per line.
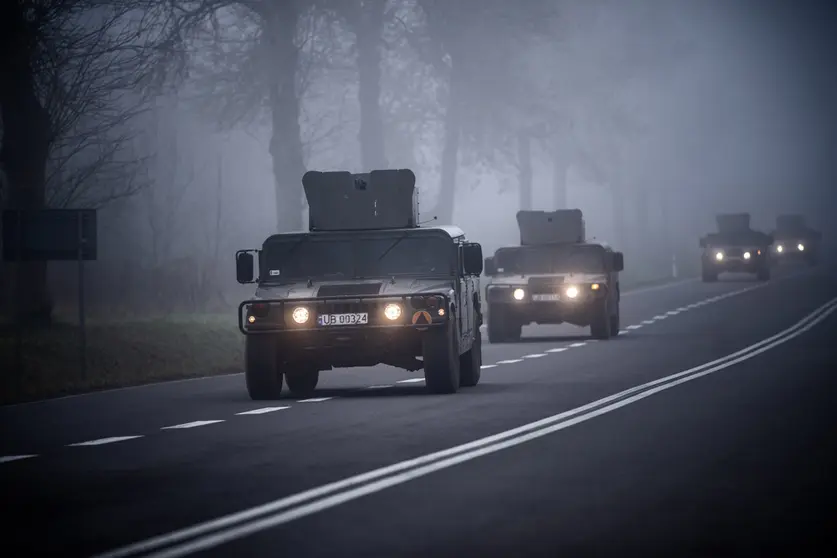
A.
pixel 51 235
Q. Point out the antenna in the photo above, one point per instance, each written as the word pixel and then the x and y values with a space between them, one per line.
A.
pixel 429 220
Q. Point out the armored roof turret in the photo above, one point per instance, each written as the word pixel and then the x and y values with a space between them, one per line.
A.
pixel 550 227
pixel 378 200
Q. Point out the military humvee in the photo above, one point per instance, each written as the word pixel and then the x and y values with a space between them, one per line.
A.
pixel 365 285
pixel 554 276
pixel 794 240
pixel 735 248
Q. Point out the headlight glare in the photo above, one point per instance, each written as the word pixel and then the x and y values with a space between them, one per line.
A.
pixel 747 255
pixel 392 311
pixel 572 292
pixel 300 314
pixel 800 247
pixel 518 294
pixel 719 256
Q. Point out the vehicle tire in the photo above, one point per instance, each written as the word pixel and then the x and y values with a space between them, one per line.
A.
pixel 302 380
pixel 261 371
pixel 614 322
pixel 499 328
pixel 600 324
pixel 470 364
pixel 441 359
pixel 763 273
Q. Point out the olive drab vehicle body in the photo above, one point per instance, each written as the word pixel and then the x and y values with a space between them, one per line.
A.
pixel 795 241
pixel 365 285
pixel 554 276
pixel 735 248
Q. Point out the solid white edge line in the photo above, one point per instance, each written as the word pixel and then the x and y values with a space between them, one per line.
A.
pixel 193 424
pixel 103 441
pixel 482 444
pixel 10 458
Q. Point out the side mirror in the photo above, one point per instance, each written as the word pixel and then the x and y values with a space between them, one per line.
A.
pixel 244 267
pixel 703 242
pixel 472 259
pixel 618 261
pixel 490 268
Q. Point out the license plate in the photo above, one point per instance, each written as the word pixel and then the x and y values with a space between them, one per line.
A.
pixel 546 297
pixel 355 318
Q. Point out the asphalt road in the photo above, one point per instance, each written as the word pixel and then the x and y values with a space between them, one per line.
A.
pixel 549 454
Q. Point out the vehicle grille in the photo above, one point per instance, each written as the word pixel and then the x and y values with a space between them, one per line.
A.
pixel 350 289
pixel 545 285
pixel 734 252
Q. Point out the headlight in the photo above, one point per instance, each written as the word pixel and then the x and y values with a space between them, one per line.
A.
pixel 572 292
pixel 780 248
pixel 747 255
pixel 518 294
pixel 300 314
pixel 719 256
pixel 392 311
pixel 800 247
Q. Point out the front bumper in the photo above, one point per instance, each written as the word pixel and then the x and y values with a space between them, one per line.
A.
pixel 546 307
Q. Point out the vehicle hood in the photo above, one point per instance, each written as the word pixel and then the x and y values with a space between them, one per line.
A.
pixel 401 286
pixel 569 278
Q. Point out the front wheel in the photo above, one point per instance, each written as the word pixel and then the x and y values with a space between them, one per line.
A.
pixel 441 359
pixel 470 364
pixel 303 380
pixel 261 370
pixel 614 322
pixel 600 324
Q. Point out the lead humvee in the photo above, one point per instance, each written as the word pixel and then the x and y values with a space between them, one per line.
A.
pixel 794 240
pixel 554 276
pixel 364 285
pixel 735 248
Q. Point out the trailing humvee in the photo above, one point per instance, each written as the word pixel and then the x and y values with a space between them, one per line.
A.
pixel 735 248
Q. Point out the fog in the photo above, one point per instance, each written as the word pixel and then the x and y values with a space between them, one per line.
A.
pixel 650 116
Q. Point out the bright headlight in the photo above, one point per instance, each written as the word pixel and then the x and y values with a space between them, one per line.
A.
pixel 780 248
pixel 747 255
pixel 300 314
pixel 572 292
pixel 518 294
pixel 719 256
pixel 392 311
pixel 800 247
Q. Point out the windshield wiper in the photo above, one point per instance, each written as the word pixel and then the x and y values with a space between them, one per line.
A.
pixel 393 245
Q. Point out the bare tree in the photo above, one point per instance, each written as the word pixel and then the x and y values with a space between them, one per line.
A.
pixel 66 67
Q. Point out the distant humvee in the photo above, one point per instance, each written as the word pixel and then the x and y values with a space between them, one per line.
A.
pixel 735 248
pixel 554 276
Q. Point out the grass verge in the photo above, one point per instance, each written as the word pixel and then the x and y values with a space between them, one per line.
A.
pixel 119 354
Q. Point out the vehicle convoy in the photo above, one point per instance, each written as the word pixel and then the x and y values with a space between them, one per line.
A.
pixel 554 276
pixel 735 248
pixel 795 241
pixel 365 285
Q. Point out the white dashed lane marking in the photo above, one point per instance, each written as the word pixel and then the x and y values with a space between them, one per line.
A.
pixel 410 381
pixel 194 424
pixel 558 350
pixel 103 441
pixel 484 366
pixel 315 400
pixel 577 344
pixel 672 312
pixel 262 411
pixel 634 327
pixel 381 386
pixel 660 317
pixel 10 458
pixel 510 361
pixel 647 322
pixel 535 355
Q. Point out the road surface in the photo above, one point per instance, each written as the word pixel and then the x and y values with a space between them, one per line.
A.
pixel 706 429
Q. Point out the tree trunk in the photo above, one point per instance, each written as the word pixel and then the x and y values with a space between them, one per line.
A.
pixel 285 142
pixel 24 154
pixel 524 167
pixel 559 179
pixel 450 152
pixel 367 21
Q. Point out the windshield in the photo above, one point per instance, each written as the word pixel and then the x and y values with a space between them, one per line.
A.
pixel 550 259
pixel 351 258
